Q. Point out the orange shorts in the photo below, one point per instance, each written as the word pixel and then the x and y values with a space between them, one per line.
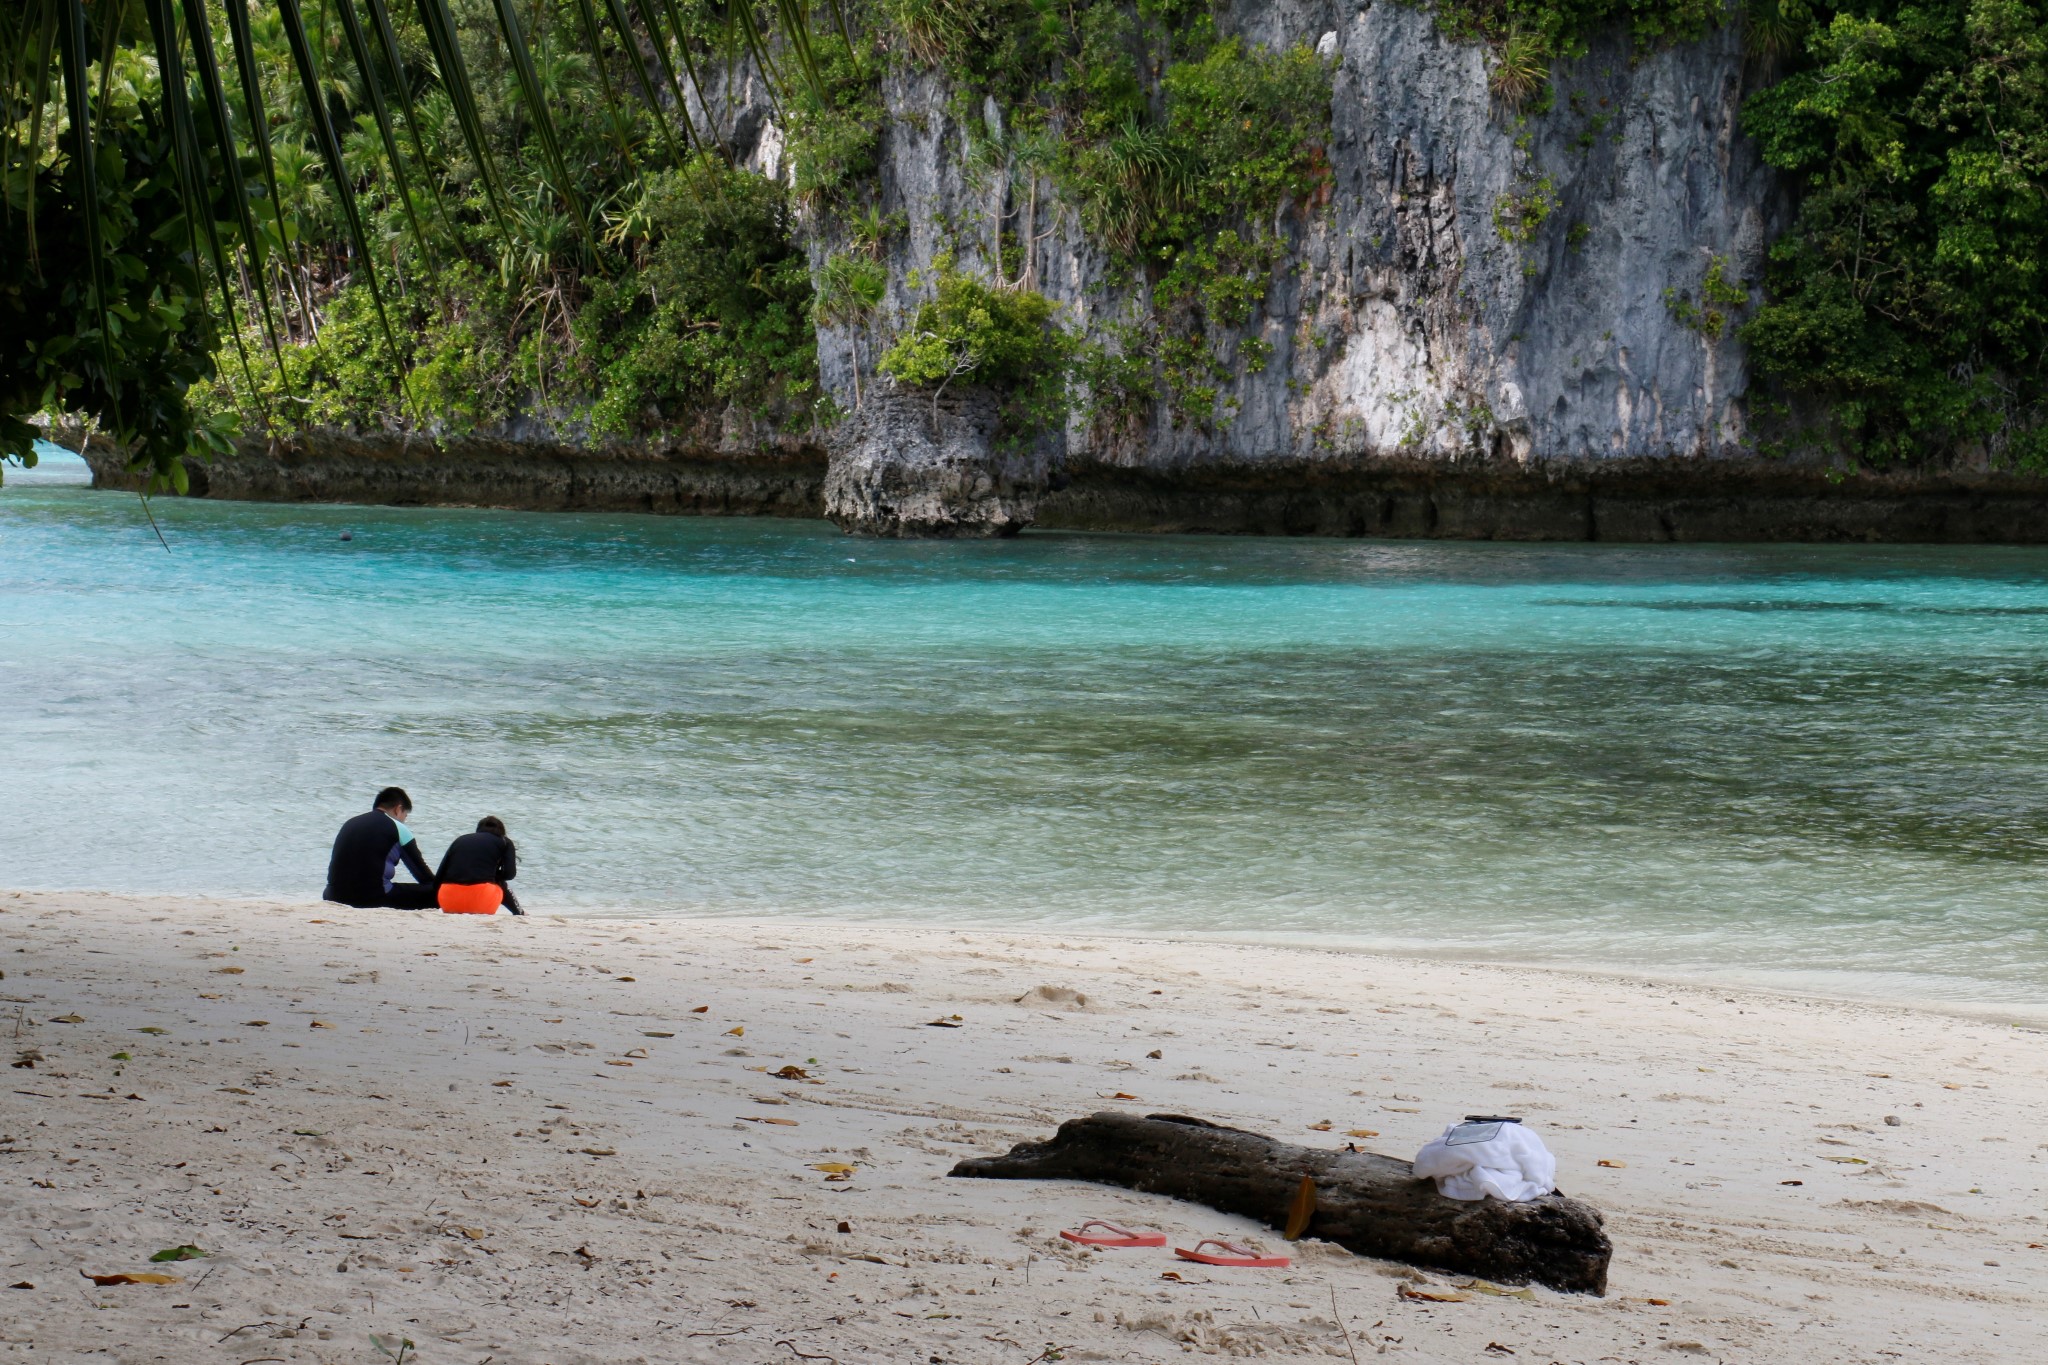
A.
pixel 482 898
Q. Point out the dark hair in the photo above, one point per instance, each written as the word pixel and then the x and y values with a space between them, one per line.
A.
pixel 491 824
pixel 392 796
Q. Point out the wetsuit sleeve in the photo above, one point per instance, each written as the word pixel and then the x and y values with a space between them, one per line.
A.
pixel 508 865
pixel 417 864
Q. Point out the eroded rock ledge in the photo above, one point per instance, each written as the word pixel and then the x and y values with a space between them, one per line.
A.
pixel 1647 500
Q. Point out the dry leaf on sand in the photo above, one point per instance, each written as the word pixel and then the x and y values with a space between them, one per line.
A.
pixel 139 1277
pixel 736 1031
pixel 1424 1294
pixel 1614 1165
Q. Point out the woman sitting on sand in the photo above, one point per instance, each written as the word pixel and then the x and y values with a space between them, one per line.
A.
pixel 475 869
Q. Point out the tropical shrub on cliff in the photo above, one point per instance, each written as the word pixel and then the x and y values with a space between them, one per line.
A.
pixel 1000 339
pixel 1910 294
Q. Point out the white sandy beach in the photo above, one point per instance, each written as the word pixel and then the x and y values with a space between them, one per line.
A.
pixel 514 1141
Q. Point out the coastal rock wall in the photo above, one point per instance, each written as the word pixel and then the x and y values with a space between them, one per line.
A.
pixel 500 471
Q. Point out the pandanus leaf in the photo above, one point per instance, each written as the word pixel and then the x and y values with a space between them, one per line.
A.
pixel 251 74
pixel 536 103
pixel 387 43
pixel 593 35
pixel 330 152
pixel 189 164
pixel 70 24
pixel 359 52
pixel 638 66
pixel 439 25
pixel 229 150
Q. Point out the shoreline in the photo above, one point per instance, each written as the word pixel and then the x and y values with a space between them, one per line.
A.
pixel 572 1164
pixel 2028 1016
pixel 1633 500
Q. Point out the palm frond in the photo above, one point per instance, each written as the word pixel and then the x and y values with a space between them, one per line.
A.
pixel 329 147
pixel 537 106
pixel 70 25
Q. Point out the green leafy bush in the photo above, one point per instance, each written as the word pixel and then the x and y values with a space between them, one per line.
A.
pixel 1005 340
pixel 719 311
pixel 159 339
pixel 1911 292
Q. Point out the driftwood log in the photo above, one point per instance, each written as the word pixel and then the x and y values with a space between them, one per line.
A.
pixel 1371 1204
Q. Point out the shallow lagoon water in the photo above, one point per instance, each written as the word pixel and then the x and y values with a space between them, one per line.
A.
pixel 1819 767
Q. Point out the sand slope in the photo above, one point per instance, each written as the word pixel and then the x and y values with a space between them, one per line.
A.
pixel 473 1134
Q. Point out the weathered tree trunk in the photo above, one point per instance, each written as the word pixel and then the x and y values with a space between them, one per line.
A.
pixel 1371 1204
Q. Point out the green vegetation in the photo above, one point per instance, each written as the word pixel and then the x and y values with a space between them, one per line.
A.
pixel 354 212
pixel 1911 292
pixel 160 337
pixel 1708 314
pixel 1182 151
pixel 380 207
pixel 1005 340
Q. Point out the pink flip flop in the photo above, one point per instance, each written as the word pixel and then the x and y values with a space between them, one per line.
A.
pixel 1231 1254
pixel 1112 1235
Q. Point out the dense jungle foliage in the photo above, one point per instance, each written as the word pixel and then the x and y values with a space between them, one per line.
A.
pixel 617 267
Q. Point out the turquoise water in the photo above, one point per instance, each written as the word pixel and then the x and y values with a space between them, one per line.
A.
pixel 1817 766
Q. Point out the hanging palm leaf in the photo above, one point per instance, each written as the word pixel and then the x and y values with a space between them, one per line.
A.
pixel 197 170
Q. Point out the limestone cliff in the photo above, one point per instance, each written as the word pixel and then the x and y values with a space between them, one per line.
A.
pixel 1486 325
pixel 1418 317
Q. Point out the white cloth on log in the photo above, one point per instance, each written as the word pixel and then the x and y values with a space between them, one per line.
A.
pixel 1473 1160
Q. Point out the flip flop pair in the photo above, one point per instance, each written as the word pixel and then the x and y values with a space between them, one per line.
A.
pixel 1097 1232
pixel 1113 1235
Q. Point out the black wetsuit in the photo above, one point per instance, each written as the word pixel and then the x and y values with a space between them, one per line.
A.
pixel 482 857
pixel 366 856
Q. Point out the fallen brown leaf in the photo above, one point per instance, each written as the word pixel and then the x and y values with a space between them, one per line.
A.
pixel 1302 1209
pixel 654 1033
pixel 629 978
pixel 1361 1132
pixel 586 1203
pixel 791 1073
pixel 736 1031
pixel 228 971
pixel 1323 1127
pixel 614 1061
pixel 701 1009
pixel 134 1277
pixel 255 1023
pixel 833 1167
pixel 68 1019
pixel 1427 1295
pixel 598 1151
pixel 1614 1165
pixel 319 1023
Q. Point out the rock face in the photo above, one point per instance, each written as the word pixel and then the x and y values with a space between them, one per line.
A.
pixel 918 468
pixel 1479 290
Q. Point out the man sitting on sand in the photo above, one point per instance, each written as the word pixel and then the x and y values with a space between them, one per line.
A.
pixel 366 857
